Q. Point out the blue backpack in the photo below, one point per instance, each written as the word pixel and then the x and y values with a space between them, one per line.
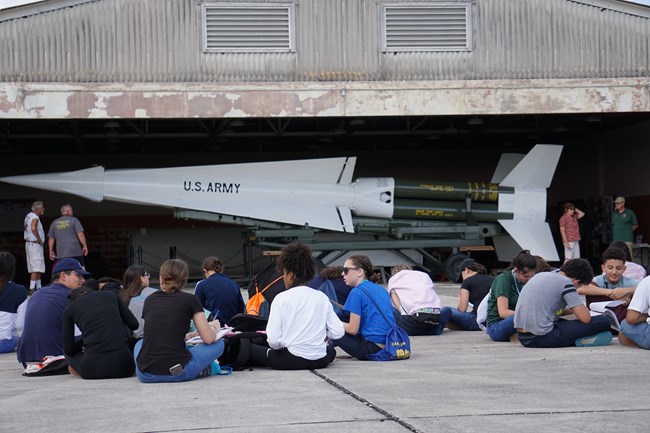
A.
pixel 398 344
pixel 327 287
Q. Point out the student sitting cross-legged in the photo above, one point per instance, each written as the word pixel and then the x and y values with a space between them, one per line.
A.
pixel 504 294
pixel 370 309
pixel 474 288
pixel 551 294
pixel 612 284
pixel 161 356
pixel 635 329
pixel 301 319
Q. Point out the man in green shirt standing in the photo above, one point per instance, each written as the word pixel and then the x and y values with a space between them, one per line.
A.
pixel 624 223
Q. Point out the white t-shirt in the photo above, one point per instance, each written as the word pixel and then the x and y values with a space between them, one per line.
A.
pixel 641 300
pixel 300 319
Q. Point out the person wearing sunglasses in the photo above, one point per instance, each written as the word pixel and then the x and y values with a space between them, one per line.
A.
pixel 135 289
pixel 370 319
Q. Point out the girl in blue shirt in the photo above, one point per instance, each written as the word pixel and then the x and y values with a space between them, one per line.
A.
pixel 370 321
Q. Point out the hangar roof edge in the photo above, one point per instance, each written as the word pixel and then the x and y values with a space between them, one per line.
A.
pixel 24 8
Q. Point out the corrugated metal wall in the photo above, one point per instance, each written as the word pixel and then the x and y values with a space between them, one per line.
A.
pixel 336 40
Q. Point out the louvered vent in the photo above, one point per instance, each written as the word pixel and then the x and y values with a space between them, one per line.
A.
pixel 251 27
pixel 440 27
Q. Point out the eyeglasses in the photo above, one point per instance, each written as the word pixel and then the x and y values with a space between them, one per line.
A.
pixel 345 270
pixel 146 275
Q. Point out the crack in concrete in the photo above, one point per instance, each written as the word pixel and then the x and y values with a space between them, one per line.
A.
pixel 371 405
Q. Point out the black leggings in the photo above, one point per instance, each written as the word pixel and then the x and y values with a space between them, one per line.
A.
pixel 284 360
pixel 103 365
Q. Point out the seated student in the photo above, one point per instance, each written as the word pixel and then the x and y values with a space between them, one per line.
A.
pixel 632 270
pixel 474 287
pixel 302 319
pixel 542 265
pixel 134 290
pixel 635 329
pixel 415 301
pixel 333 274
pixel 219 294
pixel 42 334
pixel 612 284
pixel 269 277
pixel 161 355
pixel 546 294
pixel 504 294
pixel 11 296
pixel 370 318
pixel 104 351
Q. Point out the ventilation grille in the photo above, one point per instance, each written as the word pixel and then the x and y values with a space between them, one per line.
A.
pixel 426 28
pixel 248 28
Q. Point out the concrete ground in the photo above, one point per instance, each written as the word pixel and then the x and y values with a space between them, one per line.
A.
pixel 456 382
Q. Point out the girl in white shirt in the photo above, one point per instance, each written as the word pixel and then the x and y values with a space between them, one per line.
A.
pixel 301 319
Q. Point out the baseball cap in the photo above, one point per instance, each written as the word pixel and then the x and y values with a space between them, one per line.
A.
pixel 70 265
pixel 467 263
pixel 619 199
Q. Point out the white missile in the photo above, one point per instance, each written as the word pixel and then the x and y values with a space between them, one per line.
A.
pixel 319 193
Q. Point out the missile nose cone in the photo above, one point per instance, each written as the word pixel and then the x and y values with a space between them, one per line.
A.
pixel 88 183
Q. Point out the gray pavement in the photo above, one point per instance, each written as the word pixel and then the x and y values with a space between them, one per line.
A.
pixel 456 382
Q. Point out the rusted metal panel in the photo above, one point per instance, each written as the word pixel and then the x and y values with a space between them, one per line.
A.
pixel 159 41
pixel 183 100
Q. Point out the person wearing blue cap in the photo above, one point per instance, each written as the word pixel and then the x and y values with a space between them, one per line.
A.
pixel 42 334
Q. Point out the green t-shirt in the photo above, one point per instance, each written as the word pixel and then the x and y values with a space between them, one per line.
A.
pixel 503 285
pixel 622 225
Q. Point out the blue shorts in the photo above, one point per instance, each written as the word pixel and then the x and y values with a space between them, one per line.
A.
pixel 639 333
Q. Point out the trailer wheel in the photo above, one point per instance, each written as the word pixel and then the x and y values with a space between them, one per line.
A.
pixel 452 265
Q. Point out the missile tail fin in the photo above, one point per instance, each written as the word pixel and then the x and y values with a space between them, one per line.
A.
pixel 536 169
pixel 534 236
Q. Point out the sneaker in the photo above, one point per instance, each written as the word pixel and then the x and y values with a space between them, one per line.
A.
pixel 600 339
pixel 211 370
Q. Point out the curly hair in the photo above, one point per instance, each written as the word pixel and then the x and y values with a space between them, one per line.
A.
pixel 613 253
pixel 578 269
pixel 363 262
pixel 213 263
pixel 297 258
pixel 173 275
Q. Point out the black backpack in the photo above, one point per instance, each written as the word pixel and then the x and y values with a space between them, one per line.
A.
pixel 236 353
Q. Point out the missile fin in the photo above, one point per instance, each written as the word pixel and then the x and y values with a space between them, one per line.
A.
pixel 534 236
pixel 507 163
pixel 345 216
pixel 537 168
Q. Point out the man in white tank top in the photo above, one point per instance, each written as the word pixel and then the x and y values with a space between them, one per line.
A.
pixel 34 236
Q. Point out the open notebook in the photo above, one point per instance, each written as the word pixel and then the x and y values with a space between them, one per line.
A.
pixel 220 334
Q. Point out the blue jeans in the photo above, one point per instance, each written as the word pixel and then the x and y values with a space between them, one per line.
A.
pixel 503 329
pixel 202 357
pixel 356 346
pixel 467 321
pixel 565 333
pixel 7 346
pixel 639 333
